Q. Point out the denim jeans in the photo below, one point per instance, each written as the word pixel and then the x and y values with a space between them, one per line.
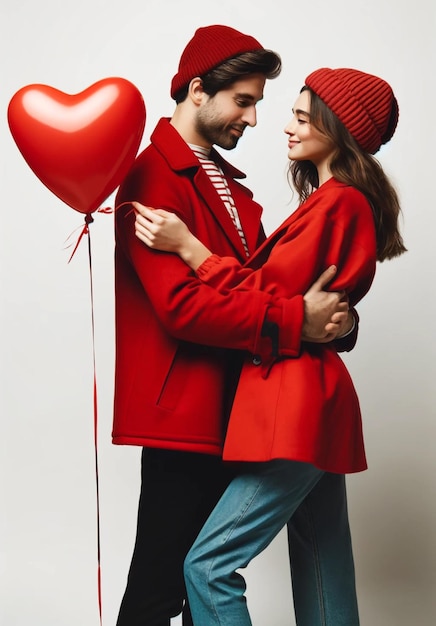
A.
pixel 254 508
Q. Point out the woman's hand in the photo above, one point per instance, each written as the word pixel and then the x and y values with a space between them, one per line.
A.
pixel 162 230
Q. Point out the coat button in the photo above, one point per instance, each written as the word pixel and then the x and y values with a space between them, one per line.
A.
pixel 257 360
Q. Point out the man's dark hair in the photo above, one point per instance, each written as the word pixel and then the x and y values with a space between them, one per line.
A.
pixel 262 61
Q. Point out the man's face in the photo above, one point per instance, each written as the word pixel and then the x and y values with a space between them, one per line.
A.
pixel 222 119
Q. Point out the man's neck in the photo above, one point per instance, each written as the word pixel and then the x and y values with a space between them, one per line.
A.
pixel 184 125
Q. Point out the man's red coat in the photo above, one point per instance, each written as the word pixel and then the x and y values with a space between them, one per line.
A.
pixel 171 392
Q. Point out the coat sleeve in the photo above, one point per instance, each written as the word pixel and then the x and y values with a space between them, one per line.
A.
pixel 338 231
pixel 188 309
pixel 347 343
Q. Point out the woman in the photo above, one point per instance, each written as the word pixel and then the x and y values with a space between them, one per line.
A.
pixel 295 422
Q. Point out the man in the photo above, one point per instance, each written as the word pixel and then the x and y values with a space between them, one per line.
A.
pixel 171 391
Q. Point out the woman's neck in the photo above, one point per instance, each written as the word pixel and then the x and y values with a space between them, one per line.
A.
pixel 324 173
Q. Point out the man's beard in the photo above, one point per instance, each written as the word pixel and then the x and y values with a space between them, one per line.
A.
pixel 214 131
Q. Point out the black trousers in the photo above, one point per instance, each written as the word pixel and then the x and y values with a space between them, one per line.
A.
pixel 178 492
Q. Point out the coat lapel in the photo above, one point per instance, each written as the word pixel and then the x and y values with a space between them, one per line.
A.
pixel 263 251
pixel 181 158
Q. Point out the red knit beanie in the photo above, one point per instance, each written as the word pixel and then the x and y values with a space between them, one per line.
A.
pixel 209 47
pixel 364 103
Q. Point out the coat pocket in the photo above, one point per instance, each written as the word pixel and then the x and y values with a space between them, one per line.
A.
pixel 173 384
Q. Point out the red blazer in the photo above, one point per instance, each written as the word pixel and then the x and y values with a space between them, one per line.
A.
pixel 303 408
pixel 169 391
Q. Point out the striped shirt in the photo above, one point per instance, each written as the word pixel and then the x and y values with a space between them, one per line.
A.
pixel 219 181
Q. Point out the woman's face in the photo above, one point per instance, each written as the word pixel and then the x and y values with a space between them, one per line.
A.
pixel 305 142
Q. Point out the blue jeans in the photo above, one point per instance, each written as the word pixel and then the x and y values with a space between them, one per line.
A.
pixel 254 508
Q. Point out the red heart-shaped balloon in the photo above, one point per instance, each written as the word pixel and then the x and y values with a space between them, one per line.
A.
pixel 80 146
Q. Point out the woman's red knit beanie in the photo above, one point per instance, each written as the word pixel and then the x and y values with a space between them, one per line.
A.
pixel 209 47
pixel 364 103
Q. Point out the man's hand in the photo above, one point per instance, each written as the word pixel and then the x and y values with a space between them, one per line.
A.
pixel 326 313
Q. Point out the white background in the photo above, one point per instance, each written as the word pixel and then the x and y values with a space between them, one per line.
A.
pixel 48 500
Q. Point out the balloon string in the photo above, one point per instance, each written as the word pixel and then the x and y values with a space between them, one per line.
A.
pixel 124 204
pixel 85 229
pixel 88 220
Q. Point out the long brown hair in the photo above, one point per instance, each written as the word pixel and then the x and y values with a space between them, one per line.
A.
pixel 353 166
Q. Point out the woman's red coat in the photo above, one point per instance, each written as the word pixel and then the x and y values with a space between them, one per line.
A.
pixel 303 408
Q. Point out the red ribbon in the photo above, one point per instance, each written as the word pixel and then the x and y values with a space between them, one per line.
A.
pixel 87 222
pixel 85 231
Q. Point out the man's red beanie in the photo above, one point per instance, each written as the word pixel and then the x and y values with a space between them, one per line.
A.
pixel 209 47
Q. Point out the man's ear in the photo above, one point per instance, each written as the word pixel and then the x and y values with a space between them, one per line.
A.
pixel 196 91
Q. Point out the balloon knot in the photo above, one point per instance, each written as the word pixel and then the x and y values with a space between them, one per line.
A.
pixel 88 218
